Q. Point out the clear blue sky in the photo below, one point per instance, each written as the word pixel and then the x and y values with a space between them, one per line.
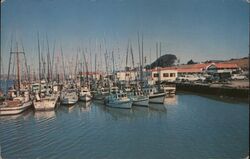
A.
pixel 190 29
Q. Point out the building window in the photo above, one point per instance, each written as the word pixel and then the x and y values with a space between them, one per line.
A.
pixel 165 75
pixel 127 74
pixel 172 74
pixel 156 74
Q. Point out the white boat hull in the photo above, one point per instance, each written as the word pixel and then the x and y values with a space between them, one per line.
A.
pixel 46 104
pixel 140 102
pixel 15 110
pixel 157 98
pixel 67 101
pixel 69 98
pixel 85 98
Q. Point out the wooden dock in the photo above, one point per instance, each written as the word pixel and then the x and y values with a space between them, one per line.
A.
pixel 214 89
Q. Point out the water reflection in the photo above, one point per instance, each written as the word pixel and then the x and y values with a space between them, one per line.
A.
pixel 188 129
pixel 117 113
pixel 44 114
pixel 134 112
pixel 171 100
pixel 141 112
pixel 158 107
pixel 84 106
pixel 67 108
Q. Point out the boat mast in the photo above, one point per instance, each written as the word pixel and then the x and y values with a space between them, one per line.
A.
pixel 127 56
pixel 139 47
pixel 158 71
pixel 76 64
pixel 113 61
pixel 132 56
pixel 48 68
pixel 160 49
pixel 64 76
pixel 82 68
pixel 133 63
pixel 90 56
pixel 8 76
pixel 56 69
pixel 53 58
pixel 39 60
pixel 142 59
pixel 26 66
pixel 100 65
pixel 106 61
pixel 126 66
pixel 86 67
pixel 18 69
pixel 106 64
pixel 48 60
pixel 95 66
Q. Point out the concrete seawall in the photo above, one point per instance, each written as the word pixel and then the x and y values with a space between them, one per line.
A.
pixel 217 90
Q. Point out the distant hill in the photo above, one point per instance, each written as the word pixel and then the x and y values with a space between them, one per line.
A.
pixel 163 61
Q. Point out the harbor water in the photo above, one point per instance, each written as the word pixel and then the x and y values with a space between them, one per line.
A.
pixel 187 126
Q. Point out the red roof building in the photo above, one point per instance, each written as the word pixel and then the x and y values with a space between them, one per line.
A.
pixel 200 68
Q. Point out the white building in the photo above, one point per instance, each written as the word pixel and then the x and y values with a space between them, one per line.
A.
pixel 222 68
pixel 163 74
pixel 126 75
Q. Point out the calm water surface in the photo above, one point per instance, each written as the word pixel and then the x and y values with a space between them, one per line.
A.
pixel 188 126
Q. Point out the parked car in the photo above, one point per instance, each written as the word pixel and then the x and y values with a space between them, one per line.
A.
pixel 212 79
pixel 201 78
pixel 188 78
pixel 238 77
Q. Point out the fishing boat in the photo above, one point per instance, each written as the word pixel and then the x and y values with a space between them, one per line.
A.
pixel 46 96
pixel 16 105
pixel 118 100
pixel 17 100
pixel 46 102
pixel 139 99
pixel 101 93
pixel 154 95
pixel 69 97
pixel 85 94
pixel 169 88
